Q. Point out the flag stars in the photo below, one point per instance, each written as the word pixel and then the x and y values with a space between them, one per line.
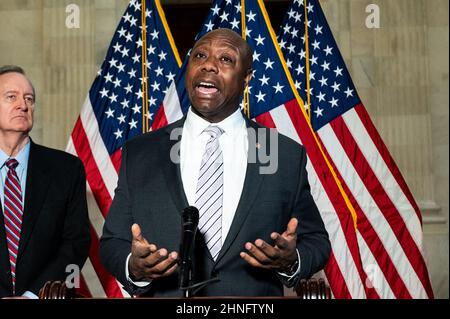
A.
pixel 139 94
pixel 310 8
pixel 316 44
pixel 117 83
pixel 278 88
pixel 136 109
pixel 234 24
pixel 121 67
pixel 224 17
pixel 325 66
pixel 318 29
pixel 269 64
pixel 333 102
pixel 302 54
pixel 323 81
pixel 125 104
pixel 299 69
pixel 129 88
pixel 113 98
pixel 117 47
pixel 215 10
pixel 282 43
pixel 313 60
pixel 209 26
pixel 136 58
pixel 151 49
pixel 162 56
pixel 118 134
pixel 133 124
pixel 336 86
pixel 108 77
pixel 238 8
pixel 122 32
pixel 259 40
pixel 348 92
pixel 109 113
pixel 113 63
pixel 152 101
pixel 104 92
pixel 328 51
pixel 291 48
pixel 318 112
pixel 260 96
pixel 125 52
pixel 298 84
pixel 170 77
pixel 121 119
pixel 154 34
pixel 264 80
pixel 338 71
pixel 256 56
pixel 251 16
pixel 155 86
pixel 321 97
pixel 287 28
pixel 129 37
pixel 132 73
pixel 159 71
pixel 289 63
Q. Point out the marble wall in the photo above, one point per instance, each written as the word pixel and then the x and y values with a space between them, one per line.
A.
pixel 400 70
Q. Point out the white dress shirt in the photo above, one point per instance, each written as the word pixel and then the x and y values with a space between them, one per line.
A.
pixel 234 145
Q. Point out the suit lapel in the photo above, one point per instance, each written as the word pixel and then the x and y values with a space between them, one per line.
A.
pixel 172 170
pixel 252 184
pixel 35 194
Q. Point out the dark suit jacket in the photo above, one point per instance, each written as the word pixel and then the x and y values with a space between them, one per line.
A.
pixel 150 193
pixel 55 226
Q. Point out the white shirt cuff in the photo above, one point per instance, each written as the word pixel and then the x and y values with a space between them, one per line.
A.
pixel 136 283
pixel 30 295
pixel 289 277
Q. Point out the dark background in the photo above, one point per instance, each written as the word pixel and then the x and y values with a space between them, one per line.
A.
pixel 186 20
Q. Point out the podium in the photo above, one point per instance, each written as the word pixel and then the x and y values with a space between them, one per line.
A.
pixel 306 289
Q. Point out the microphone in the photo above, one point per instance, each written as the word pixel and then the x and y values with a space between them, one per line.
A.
pixel 189 223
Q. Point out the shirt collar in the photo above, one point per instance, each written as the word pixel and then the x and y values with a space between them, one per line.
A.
pixel 196 125
pixel 21 157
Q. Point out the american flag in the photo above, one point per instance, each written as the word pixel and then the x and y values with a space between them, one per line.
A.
pixel 384 257
pixel 115 110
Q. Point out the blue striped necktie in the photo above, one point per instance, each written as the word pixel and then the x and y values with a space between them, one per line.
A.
pixel 209 194
pixel 12 213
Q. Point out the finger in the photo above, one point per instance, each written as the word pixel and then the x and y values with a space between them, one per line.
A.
pixel 137 234
pixel 291 227
pixel 270 251
pixel 166 266
pixel 258 254
pixel 155 258
pixel 252 261
pixel 280 241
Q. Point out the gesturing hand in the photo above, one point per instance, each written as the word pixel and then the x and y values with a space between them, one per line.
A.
pixel 281 256
pixel 147 262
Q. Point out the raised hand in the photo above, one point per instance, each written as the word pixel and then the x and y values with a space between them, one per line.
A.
pixel 147 262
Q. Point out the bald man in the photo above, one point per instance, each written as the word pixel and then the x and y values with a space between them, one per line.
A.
pixel 256 231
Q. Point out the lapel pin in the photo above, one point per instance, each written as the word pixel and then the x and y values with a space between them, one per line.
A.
pixel 258 146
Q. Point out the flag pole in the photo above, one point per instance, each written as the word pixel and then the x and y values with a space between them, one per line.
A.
pixel 144 68
pixel 244 36
pixel 308 84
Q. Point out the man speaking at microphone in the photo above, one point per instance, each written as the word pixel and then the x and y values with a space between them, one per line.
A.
pixel 256 231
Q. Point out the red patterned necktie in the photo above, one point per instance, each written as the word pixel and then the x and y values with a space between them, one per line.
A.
pixel 12 212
